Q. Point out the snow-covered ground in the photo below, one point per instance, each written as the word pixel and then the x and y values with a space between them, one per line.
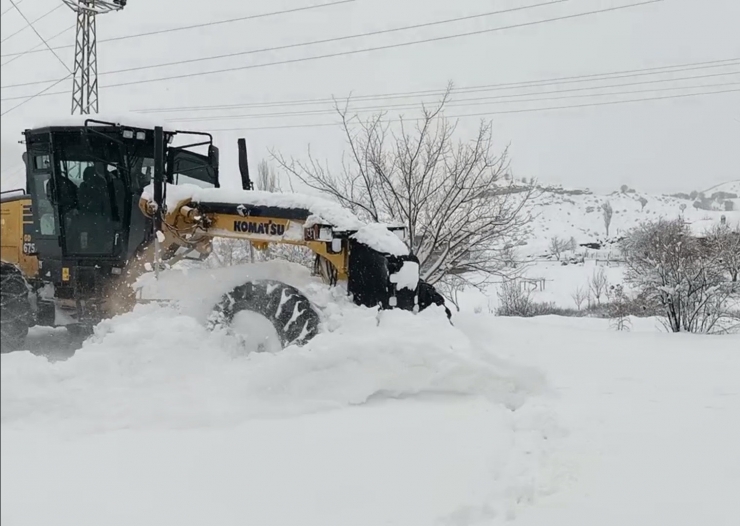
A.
pixel 391 419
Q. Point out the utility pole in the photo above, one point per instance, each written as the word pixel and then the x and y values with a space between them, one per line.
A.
pixel 85 73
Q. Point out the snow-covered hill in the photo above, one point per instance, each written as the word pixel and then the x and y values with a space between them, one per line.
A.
pixel 576 213
pixel 576 217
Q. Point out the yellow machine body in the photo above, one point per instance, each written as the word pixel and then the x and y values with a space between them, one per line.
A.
pixel 16 246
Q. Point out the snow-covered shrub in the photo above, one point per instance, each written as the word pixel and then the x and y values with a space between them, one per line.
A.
pixel 229 252
pixel 724 243
pixel 681 276
pixel 515 301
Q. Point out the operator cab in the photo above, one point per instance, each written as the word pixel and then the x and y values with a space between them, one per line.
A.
pixel 85 182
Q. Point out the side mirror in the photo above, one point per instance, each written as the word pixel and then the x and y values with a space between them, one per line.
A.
pixel 213 159
pixel 244 164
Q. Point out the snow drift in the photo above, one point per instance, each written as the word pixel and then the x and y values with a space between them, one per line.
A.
pixel 158 366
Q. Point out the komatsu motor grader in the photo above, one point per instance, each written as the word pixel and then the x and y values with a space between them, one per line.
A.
pixel 106 202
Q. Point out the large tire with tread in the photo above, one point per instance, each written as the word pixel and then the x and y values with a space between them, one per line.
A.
pixel 290 312
pixel 16 315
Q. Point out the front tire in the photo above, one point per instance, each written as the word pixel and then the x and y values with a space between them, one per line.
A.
pixel 15 308
pixel 290 312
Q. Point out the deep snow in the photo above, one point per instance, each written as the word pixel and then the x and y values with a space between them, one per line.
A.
pixel 381 419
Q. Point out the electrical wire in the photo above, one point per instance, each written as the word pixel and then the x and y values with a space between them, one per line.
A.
pixel 10 8
pixel 488 114
pixel 472 89
pixel 206 24
pixel 19 55
pixel 337 39
pixel 366 50
pixel 476 101
pixel 309 43
pixel 28 24
pixel 39 94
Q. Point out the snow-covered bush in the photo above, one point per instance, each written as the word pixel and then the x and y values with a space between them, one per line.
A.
pixel 515 301
pixel 724 242
pixel 681 276
pixel 229 252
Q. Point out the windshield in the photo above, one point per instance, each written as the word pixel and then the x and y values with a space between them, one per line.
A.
pixel 92 203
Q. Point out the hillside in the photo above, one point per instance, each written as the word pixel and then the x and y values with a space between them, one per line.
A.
pixel 578 213
pixel 576 216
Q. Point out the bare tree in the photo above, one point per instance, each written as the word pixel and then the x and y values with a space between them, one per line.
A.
pixel 608 211
pixel 450 287
pixel 598 284
pixel 557 247
pixel 267 179
pixel 460 213
pixel 643 203
pixel 672 269
pixel 579 296
pixel 619 309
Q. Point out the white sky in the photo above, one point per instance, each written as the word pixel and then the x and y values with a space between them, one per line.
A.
pixel 657 146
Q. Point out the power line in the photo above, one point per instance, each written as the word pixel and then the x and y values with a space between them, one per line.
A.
pixel 10 8
pixel 338 39
pixel 312 42
pixel 28 24
pixel 19 55
pixel 475 101
pixel 488 114
pixel 39 94
pixel 377 48
pixel 207 24
pixel 472 89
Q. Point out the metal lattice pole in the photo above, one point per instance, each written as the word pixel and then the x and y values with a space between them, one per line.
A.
pixel 85 73
pixel 81 87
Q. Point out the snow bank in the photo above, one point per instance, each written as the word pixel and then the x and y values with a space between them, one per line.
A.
pixel 159 367
pixel 325 211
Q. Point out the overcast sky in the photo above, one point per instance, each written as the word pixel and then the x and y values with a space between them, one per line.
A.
pixel 667 145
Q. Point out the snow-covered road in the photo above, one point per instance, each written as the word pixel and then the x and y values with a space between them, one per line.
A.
pixel 406 421
pixel 653 423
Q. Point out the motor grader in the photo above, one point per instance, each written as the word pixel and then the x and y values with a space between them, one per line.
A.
pixel 106 202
